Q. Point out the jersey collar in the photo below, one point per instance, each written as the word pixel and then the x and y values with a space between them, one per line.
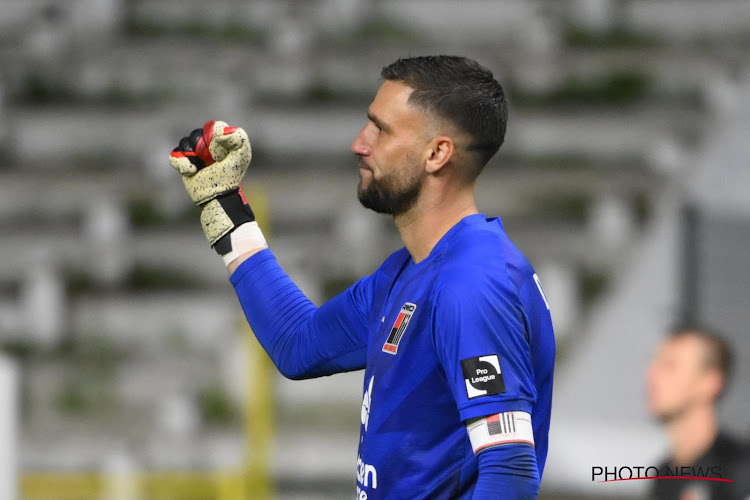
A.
pixel 445 241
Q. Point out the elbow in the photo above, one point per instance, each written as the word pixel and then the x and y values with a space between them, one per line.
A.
pixel 293 375
pixel 292 372
pixel 291 357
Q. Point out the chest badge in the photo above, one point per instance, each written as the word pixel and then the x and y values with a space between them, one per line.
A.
pixel 399 328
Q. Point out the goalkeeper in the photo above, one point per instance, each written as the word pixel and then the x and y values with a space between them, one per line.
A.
pixel 453 330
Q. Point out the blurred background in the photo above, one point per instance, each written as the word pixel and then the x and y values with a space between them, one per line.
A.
pixel 125 368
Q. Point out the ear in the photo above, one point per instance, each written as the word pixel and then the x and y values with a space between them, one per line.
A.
pixel 439 152
pixel 713 384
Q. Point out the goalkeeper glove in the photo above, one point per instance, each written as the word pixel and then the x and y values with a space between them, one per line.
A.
pixel 213 160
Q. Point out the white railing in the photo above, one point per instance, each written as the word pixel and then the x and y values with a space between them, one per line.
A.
pixel 8 428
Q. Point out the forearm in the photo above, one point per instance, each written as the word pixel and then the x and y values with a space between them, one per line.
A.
pixel 507 472
pixel 302 340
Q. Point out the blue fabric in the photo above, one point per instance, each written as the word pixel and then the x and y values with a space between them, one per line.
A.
pixel 474 298
pixel 302 340
pixel 507 472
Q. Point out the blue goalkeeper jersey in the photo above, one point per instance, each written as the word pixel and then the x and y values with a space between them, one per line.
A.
pixel 464 333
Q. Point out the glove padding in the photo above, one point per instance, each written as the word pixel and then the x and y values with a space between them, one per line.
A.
pixel 213 160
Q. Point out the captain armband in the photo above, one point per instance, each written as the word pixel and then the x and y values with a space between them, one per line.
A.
pixel 501 428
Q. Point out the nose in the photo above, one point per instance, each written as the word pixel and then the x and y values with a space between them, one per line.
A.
pixel 361 146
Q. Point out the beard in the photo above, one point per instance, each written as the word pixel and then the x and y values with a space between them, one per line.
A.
pixel 392 194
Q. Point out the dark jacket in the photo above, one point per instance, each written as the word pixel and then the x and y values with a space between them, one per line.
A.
pixel 727 458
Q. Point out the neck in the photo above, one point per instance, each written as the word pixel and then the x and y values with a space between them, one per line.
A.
pixel 431 217
pixel 692 434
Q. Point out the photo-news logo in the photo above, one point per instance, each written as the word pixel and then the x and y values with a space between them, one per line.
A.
pixel 606 474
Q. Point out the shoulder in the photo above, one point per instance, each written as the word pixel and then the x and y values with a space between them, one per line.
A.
pixel 474 271
pixel 391 266
pixel 733 456
pixel 384 274
pixel 730 448
pixel 395 262
pixel 481 256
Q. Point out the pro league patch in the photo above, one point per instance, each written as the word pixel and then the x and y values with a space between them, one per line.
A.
pixel 483 376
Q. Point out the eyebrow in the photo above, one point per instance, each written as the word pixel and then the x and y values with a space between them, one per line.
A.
pixel 377 121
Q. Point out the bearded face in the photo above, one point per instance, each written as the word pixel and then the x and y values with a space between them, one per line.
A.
pixel 392 193
pixel 389 148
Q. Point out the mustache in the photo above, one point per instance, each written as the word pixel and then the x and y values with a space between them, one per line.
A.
pixel 361 163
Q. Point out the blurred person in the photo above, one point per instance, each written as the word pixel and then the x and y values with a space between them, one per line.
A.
pixel 686 379
pixel 453 330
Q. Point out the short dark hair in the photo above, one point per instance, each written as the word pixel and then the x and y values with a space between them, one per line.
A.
pixel 718 354
pixel 461 91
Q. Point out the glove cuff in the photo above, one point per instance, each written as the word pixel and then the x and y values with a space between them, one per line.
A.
pixel 220 217
pixel 245 238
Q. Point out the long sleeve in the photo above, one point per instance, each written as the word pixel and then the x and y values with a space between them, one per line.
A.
pixel 304 341
pixel 507 472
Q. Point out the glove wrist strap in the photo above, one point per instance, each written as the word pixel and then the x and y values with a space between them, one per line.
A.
pixel 222 216
pixel 245 238
pixel 236 211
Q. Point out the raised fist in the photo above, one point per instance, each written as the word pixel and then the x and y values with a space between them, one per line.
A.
pixel 212 160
